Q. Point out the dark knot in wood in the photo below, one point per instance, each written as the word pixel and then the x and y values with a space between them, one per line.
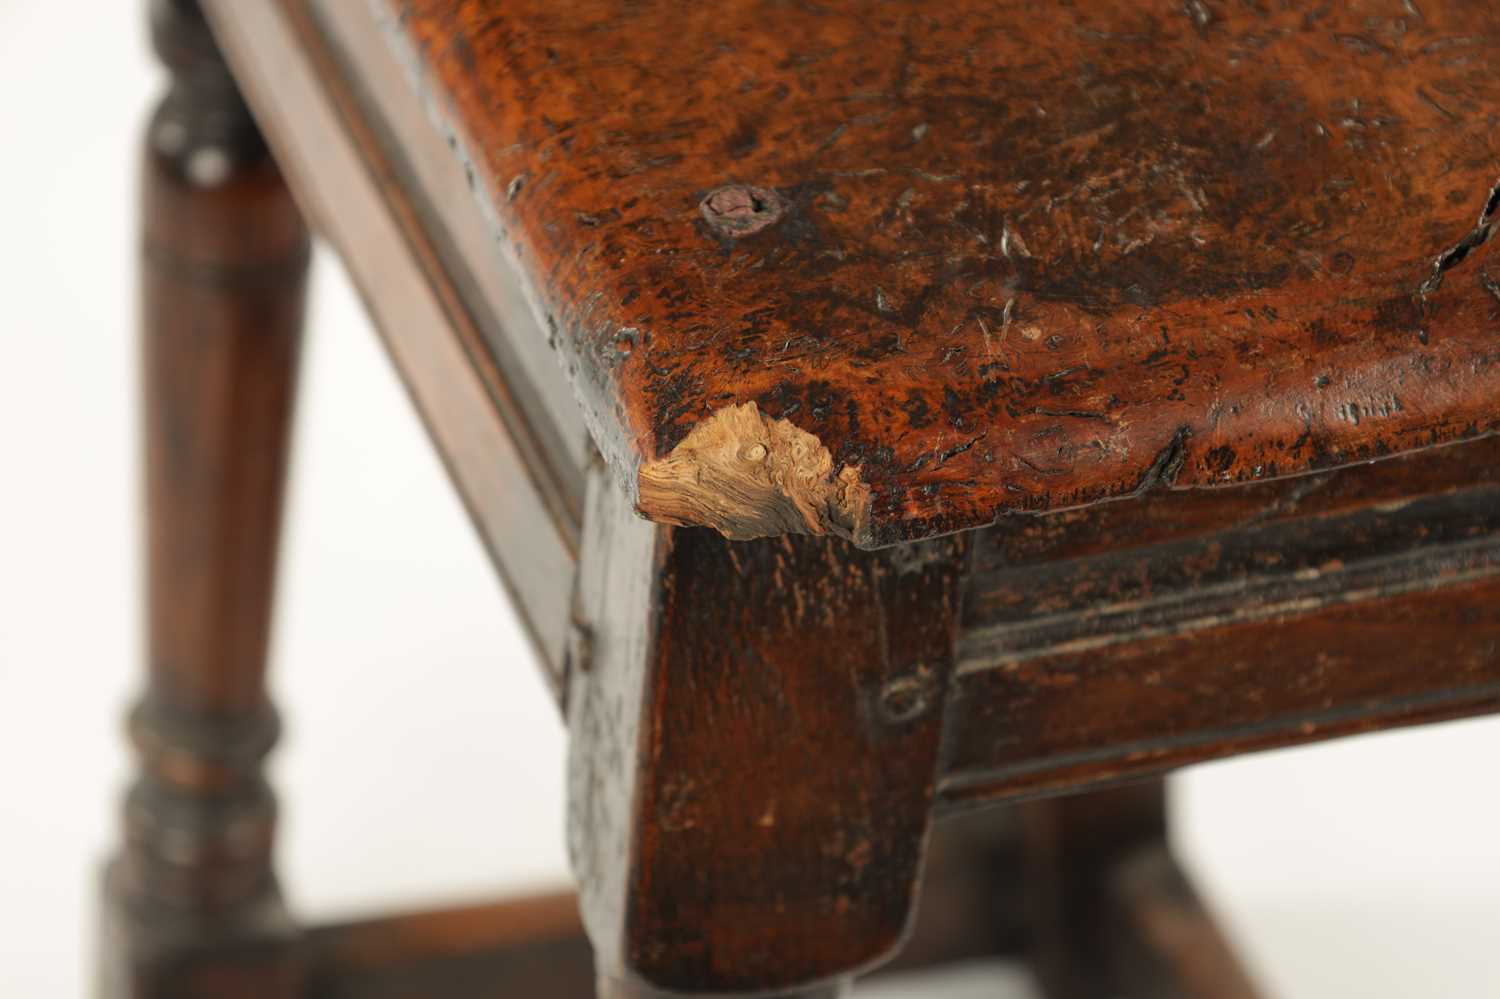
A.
pixel 739 209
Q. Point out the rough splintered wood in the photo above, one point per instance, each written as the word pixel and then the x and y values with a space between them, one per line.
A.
pixel 997 255
pixel 753 477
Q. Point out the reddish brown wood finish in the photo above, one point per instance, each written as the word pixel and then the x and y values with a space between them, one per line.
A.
pixel 1171 246
pixel 1004 256
pixel 1112 664
pixel 754 748
pixel 225 262
pixel 1014 543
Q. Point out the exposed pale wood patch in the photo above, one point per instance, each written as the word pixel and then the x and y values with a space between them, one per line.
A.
pixel 750 476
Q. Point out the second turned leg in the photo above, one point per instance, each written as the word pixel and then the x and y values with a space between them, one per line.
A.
pixel 192 906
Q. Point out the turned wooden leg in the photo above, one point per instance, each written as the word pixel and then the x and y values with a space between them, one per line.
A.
pixel 754 738
pixel 1111 913
pixel 192 906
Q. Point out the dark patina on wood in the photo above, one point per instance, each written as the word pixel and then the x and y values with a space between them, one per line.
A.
pixel 986 257
pixel 755 729
pixel 762 731
pixel 1135 637
pixel 192 903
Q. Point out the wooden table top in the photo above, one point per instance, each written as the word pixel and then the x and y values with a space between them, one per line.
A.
pixel 891 269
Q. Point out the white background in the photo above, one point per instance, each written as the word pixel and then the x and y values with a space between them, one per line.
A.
pixel 422 761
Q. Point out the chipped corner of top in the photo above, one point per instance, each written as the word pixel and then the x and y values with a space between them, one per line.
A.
pixel 748 475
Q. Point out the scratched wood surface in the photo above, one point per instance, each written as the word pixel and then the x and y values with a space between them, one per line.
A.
pixel 712 857
pixel 1138 636
pixel 984 257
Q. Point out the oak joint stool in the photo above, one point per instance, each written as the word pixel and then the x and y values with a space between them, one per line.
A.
pixel 876 411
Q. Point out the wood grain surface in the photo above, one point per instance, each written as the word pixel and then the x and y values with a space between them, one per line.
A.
pixel 1331 612
pixel 984 257
pixel 754 737
pixel 191 902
